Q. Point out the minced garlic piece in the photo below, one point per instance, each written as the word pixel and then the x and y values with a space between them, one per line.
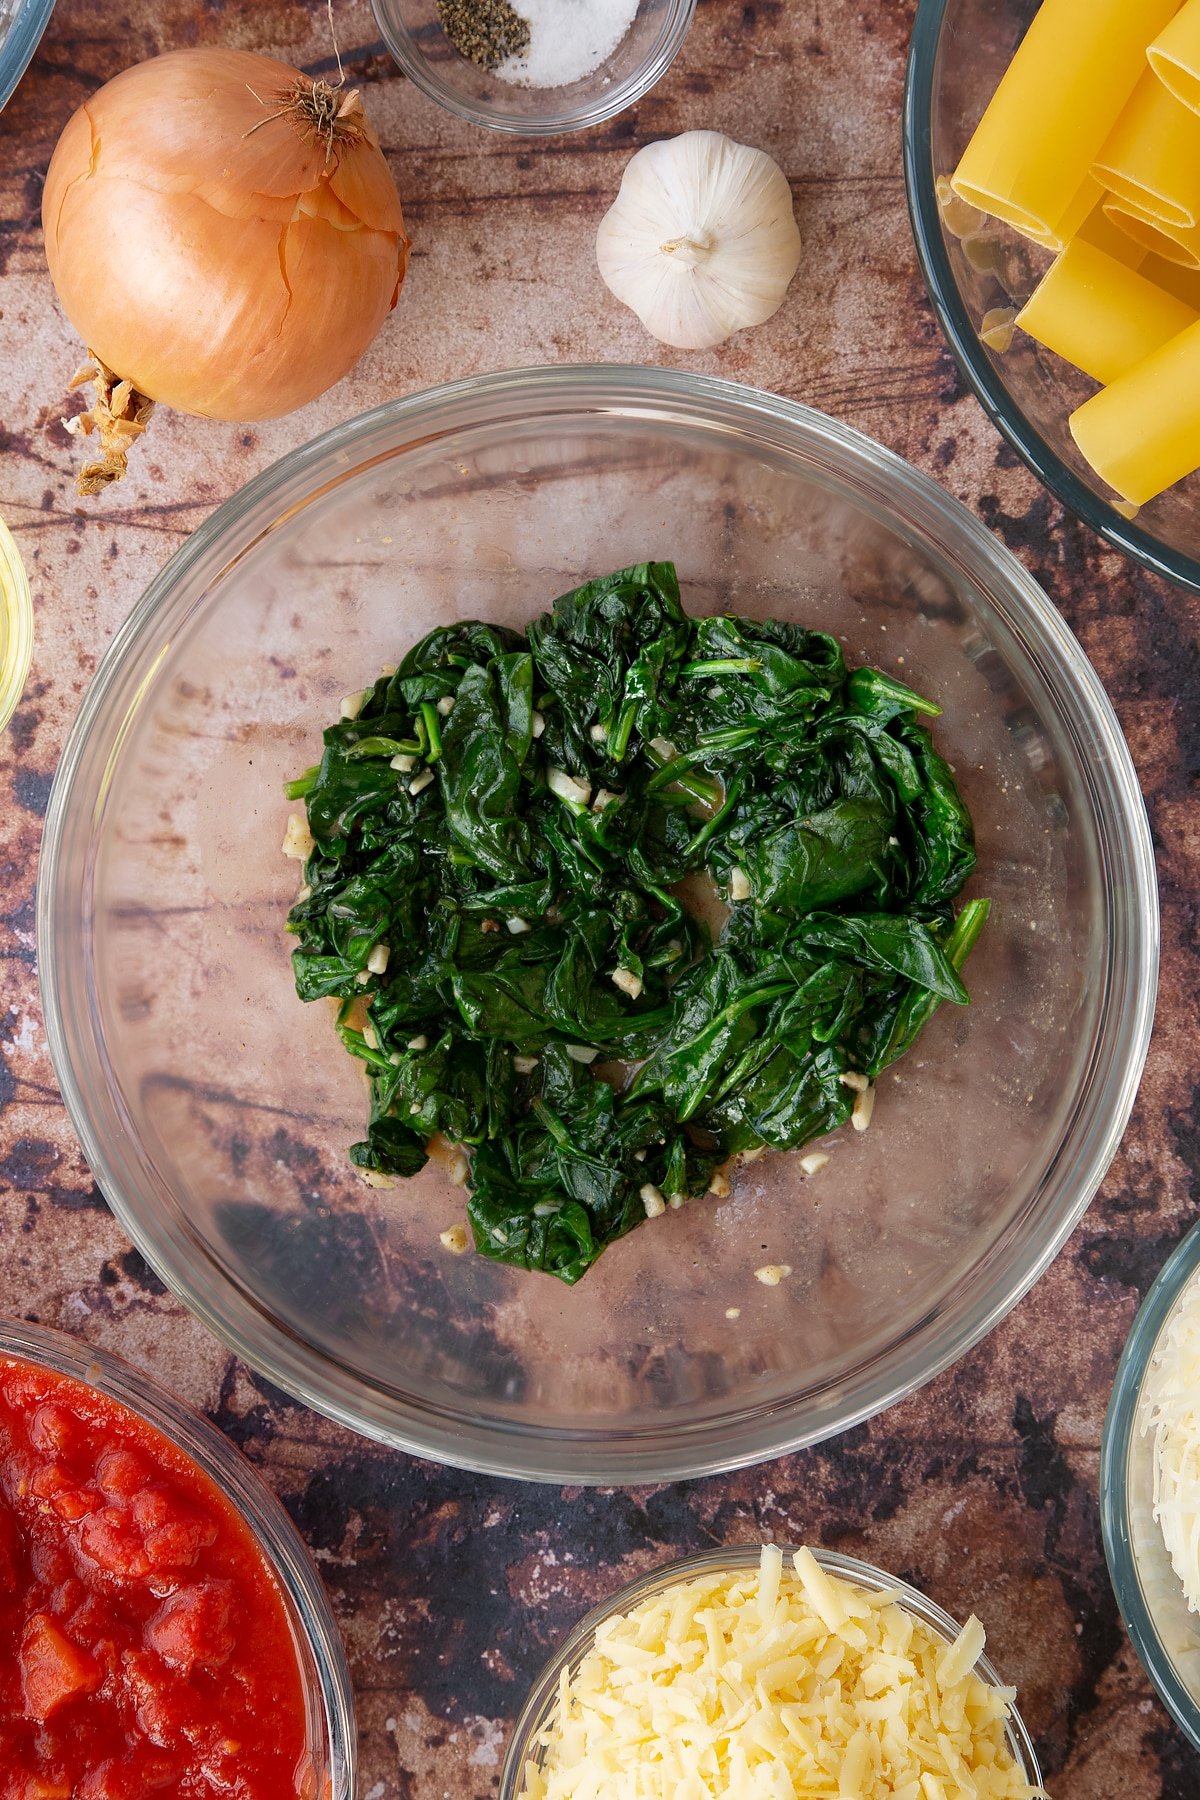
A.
pixel 298 842
pixel 652 1200
pixel 771 1274
pixel 455 1240
pixel 757 1685
pixel 864 1106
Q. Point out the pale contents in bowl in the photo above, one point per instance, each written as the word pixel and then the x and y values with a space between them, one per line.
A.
pixel 1172 1403
pixel 777 1683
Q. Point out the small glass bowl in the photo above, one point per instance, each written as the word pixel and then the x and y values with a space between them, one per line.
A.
pixel 328 1696
pixel 960 50
pixel 1165 1634
pixel 538 1711
pixel 22 23
pixel 414 35
pixel 16 625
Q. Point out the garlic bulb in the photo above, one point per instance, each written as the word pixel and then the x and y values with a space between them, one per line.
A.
pixel 701 240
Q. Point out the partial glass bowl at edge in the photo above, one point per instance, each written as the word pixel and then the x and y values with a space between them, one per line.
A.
pixel 216 1109
pixel 539 1710
pixel 22 23
pixel 960 49
pixel 16 625
pixel 1165 1634
pixel 325 1678
pixel 414 35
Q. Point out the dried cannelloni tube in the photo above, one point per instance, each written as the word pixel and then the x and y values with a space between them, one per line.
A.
pixel 1142 434
pixel 1030 159
pixel 1175 55
pixel 1101 315
pixel 1151 157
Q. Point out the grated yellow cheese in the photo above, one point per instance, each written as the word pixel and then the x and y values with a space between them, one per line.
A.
pixel 777 1686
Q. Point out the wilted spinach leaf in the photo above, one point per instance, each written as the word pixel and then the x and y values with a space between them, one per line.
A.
pixel 498 837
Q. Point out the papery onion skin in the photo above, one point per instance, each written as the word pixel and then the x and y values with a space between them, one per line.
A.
pixel 211 253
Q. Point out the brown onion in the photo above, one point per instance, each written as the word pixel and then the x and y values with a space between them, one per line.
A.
pixel 223 232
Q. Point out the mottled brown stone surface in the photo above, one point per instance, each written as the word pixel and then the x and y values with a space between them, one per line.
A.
pixel 451 1588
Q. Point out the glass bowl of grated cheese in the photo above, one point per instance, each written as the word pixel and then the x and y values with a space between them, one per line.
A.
pixel 1150 1484
pixel 576 62
pixel 753 1671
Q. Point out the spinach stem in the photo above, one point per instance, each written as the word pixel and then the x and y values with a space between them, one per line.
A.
pixel 618 740
pixel 724 665
pixel 675 774
pixel 429 715
pixel 303 784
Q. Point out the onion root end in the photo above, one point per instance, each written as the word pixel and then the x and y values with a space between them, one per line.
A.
pixel 117 417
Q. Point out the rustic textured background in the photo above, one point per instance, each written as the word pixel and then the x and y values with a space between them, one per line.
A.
pixel 450 1588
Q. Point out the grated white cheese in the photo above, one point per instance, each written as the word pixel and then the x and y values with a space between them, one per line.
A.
pixel 772 1686
pixel 1171 1399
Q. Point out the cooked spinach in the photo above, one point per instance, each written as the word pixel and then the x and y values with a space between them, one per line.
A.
pixel 499 839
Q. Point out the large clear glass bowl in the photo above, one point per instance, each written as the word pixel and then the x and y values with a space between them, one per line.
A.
pixel 216 1109
pixel 960 49
pixel 537 1715
pixel 329 1700
pixel 414 35
pixel 1165 1634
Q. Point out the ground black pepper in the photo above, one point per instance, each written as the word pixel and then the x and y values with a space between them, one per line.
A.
pixel 487 32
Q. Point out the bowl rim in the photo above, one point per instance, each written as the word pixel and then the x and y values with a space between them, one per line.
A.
pixel 541 1696
pixel 276 1537
pixel 1116 1442
pixel 405 50
pixel 963 338
pixel 1108 1086
pixel 16 625
pixel 18 48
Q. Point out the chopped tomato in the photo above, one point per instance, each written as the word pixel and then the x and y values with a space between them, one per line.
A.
pixel 145 1653
pixel 53 1669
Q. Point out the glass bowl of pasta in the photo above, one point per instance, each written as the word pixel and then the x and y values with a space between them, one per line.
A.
pixel 218 1111
pixel 1114 285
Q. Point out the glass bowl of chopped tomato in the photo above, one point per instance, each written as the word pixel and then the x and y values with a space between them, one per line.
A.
pixel 1159 1355
pixel 218 1111
pixel 799 1697
pixel 979 273
pixel 163 1627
